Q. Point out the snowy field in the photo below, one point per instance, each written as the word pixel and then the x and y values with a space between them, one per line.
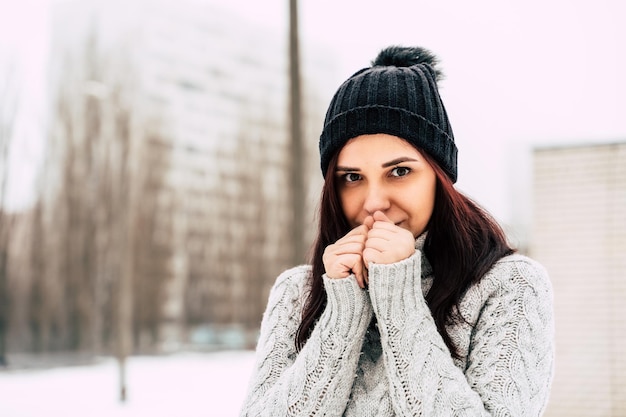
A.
pixel 181 385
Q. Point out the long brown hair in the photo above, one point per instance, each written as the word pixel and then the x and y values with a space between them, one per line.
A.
pixel 462 244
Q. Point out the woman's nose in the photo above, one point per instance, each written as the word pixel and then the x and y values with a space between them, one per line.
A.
pixel 376 199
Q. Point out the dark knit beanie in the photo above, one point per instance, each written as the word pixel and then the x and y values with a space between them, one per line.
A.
pixel 398 96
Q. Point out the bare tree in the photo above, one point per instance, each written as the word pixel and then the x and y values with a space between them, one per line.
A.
pixel 104 134
pixel 94 218
pixel 8 111
pixel 153 246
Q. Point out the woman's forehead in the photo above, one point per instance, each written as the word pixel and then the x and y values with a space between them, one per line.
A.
pixel 375 147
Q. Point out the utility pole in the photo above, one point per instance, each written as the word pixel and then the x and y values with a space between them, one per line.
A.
pixel 133 172
pixel 296 154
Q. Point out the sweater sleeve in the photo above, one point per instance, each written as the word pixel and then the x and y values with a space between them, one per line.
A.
pixel 509 361
pixel 318 379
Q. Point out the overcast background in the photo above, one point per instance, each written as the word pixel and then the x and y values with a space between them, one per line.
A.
pixel 518 74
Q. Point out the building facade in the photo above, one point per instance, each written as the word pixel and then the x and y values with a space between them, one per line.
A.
pixel 223 85
pixel 579 234
pixel 169 146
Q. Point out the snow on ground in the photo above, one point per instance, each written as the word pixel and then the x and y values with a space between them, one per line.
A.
pixel 181 385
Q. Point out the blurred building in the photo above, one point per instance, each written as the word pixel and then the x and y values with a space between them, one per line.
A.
pixel 176 111
pixel 221 85
pixel 579 234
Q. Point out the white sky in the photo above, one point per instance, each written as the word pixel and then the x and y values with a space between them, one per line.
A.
pixel 517 73
pixel 23 29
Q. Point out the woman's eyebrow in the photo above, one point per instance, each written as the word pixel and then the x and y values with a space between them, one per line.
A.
pixel 398 161
pixel 347 169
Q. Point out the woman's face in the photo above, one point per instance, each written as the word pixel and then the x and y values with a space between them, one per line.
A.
pixel 386 173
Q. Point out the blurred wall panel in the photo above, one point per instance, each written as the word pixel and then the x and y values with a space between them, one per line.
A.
pixel 579 234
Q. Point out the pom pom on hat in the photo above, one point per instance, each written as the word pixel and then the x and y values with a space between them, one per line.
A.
pixel 407 56
pixel 398 96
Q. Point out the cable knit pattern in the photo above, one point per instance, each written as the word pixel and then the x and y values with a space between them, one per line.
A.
pixel 377 352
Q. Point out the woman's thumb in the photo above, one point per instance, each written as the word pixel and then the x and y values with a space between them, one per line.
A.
pixel 379 216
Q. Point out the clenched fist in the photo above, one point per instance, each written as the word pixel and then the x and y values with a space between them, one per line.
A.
pixel 377 240
pixel 345 256
pixel 386 243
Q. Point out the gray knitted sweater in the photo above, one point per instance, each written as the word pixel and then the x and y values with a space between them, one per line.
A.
pixel 377 352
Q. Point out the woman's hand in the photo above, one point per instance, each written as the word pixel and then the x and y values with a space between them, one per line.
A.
pixel 386 243
pixel 377 240
pixel 345 256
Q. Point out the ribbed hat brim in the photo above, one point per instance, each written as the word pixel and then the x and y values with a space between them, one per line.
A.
pixel 373 119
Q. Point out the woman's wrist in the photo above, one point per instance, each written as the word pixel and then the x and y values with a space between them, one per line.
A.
pixel 396 285
pixel 348 306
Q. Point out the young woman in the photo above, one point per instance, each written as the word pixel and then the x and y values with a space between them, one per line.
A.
pixel 414 303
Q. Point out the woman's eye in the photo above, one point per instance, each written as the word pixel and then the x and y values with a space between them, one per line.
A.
pixel 400 171
pixel 351 177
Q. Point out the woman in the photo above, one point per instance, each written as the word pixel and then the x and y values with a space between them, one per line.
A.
pixel 414 303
